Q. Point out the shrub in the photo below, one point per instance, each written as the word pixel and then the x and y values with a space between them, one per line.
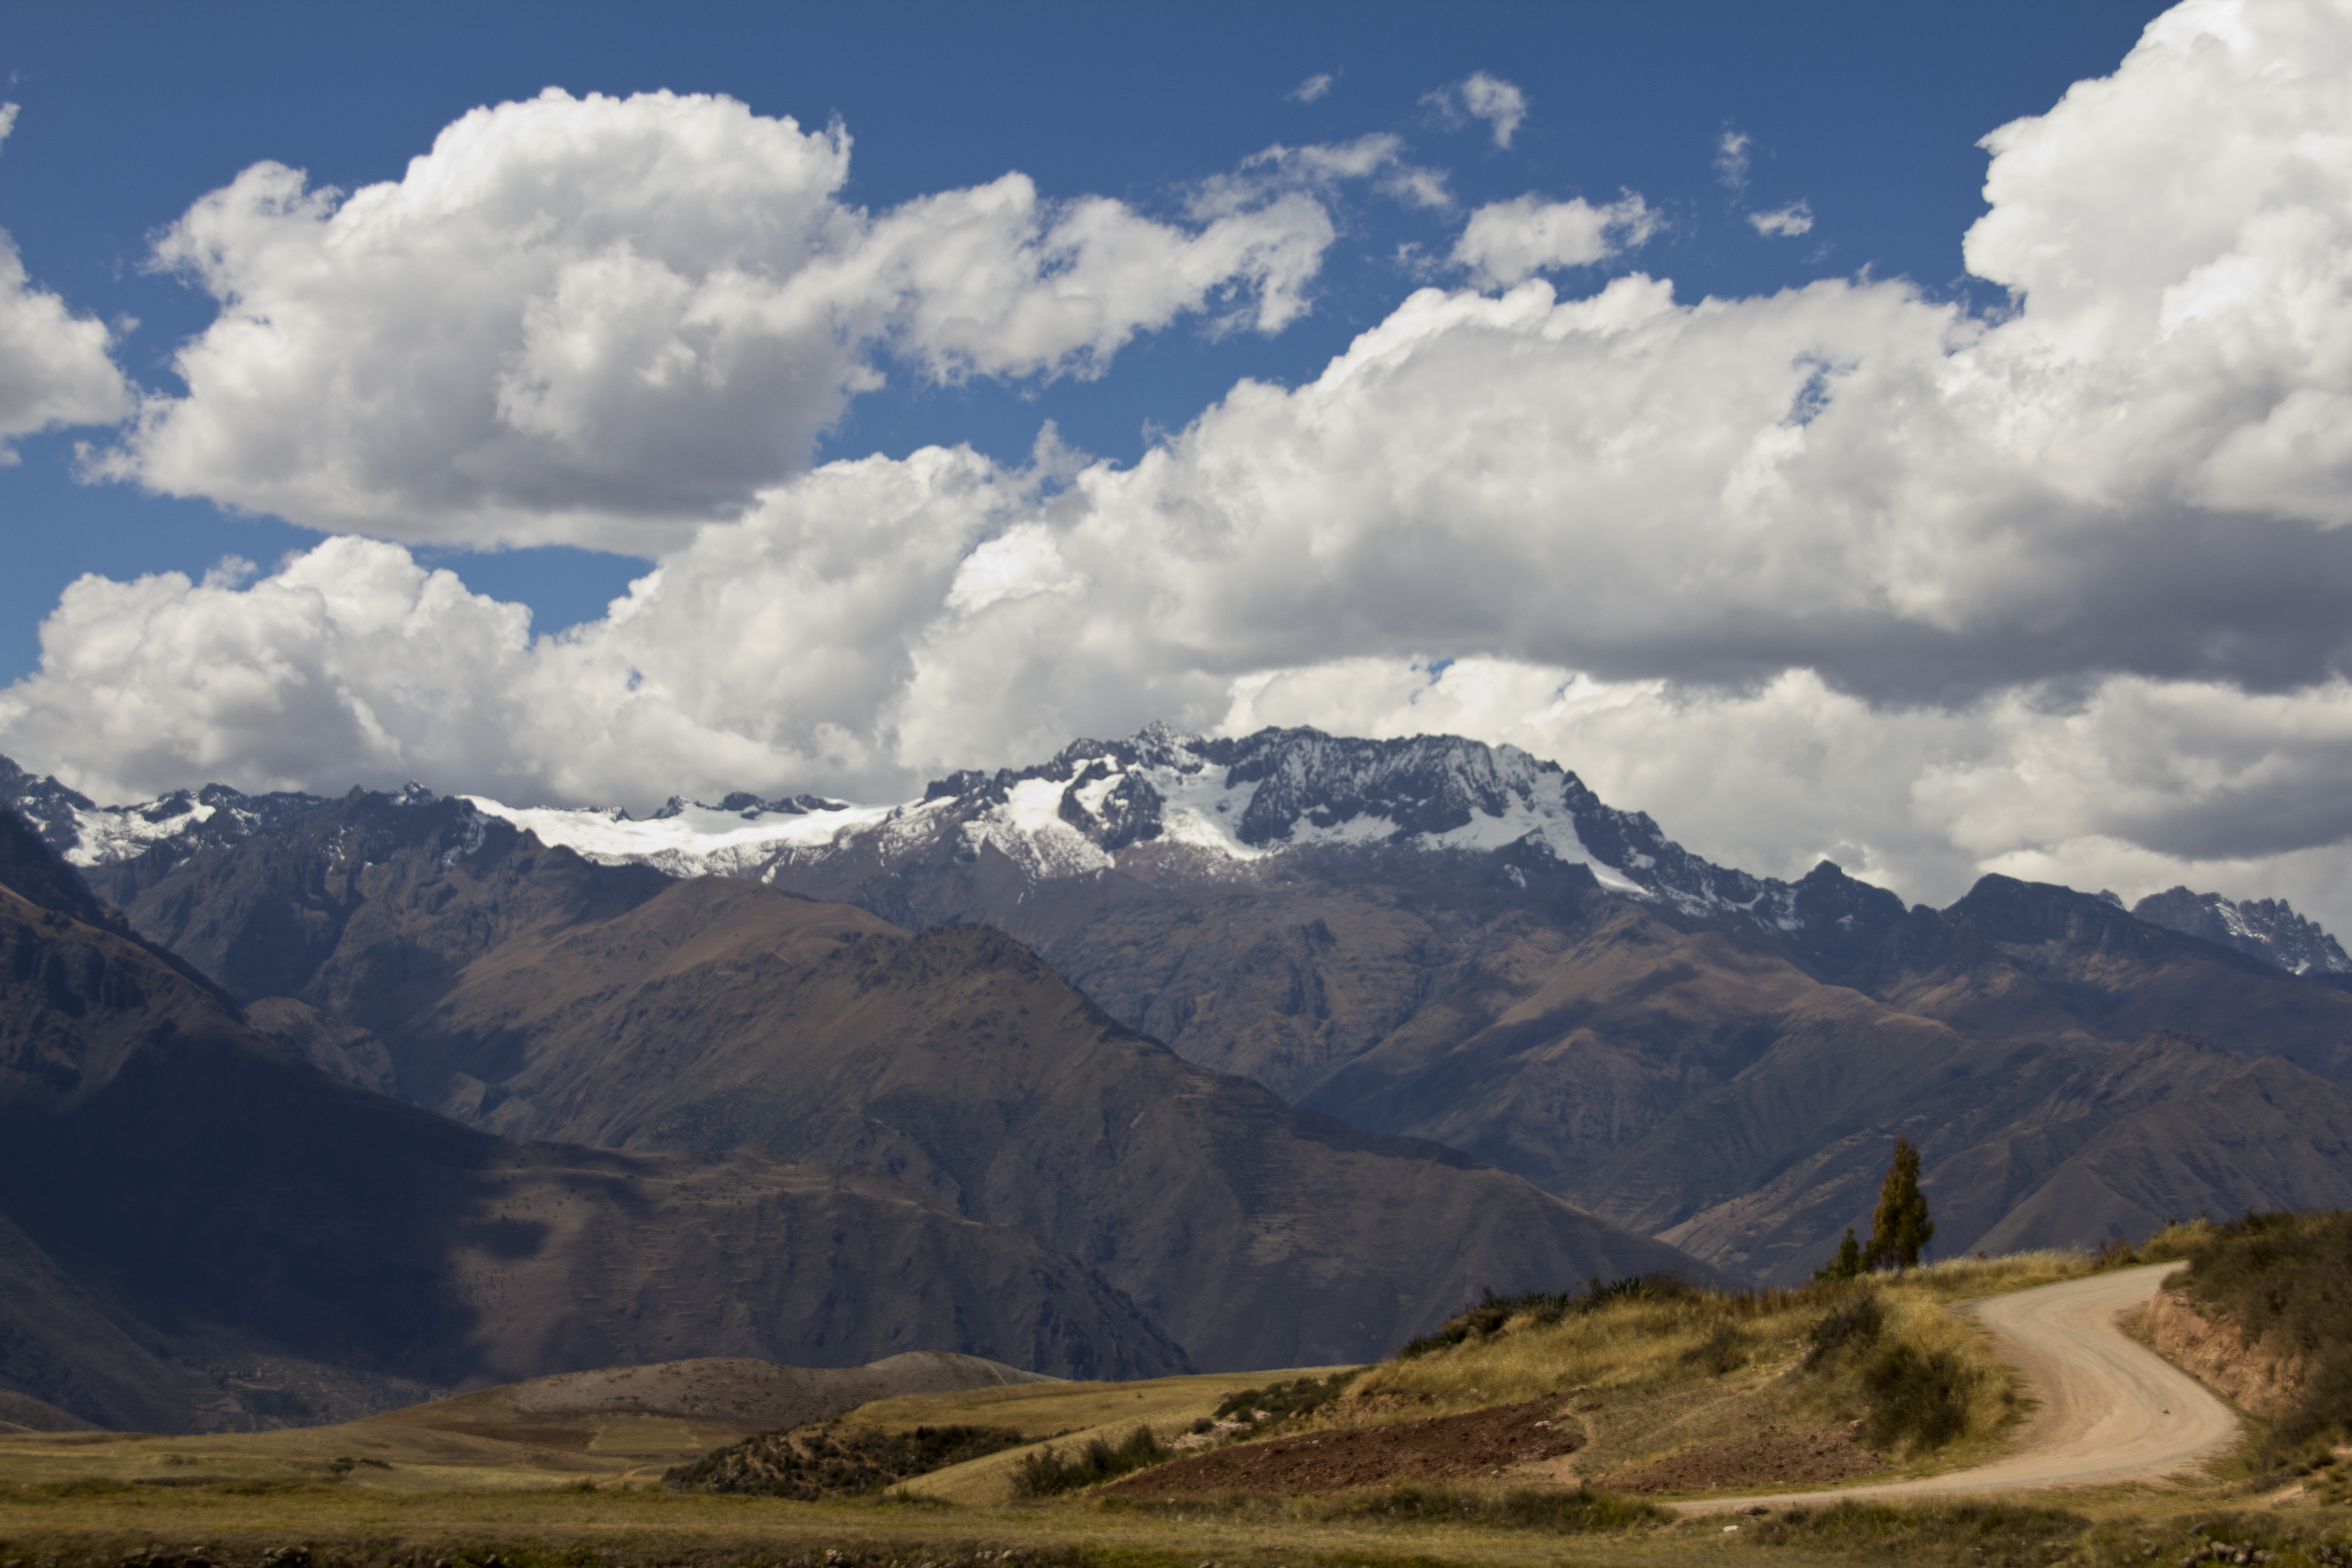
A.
pixel 810 1465
pixel 1857 1324
pixel 1721 1352
pixel 1846 1264
pixel 1918 1398
pixel 1281 1401
pixel 1045 1472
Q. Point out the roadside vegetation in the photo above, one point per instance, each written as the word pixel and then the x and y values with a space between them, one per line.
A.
pixel 2283 1282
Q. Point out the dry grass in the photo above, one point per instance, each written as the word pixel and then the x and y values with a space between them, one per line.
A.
pixel 1664 1374
pixel 1650 1377
pixel 1050 1409
pixel 91 1528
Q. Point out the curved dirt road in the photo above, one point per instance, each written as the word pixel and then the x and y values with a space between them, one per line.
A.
pixel 2111 1410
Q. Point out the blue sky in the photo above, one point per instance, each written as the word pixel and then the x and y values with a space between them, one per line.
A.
pixel 1913 435
pixel 1868 112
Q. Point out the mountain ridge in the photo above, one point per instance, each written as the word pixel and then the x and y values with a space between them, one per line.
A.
pixel 1306 787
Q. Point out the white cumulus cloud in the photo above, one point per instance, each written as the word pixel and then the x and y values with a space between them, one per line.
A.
pixel 1506 241
pixel 604 321
pixel 55 367
pixel 1313 87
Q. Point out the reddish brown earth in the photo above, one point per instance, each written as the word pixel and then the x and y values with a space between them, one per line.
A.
pixel 1482 1443
pixel 1772 1456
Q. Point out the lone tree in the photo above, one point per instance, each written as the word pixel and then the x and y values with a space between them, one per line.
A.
pixel 1901 1229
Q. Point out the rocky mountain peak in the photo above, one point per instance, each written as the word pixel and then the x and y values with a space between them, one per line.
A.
pixel 2267 928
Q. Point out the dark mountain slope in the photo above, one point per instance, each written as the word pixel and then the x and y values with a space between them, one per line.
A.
pixel 175 1186
pixel 2026 1144
pixel 2029 958
pixel 721 1014
pixel 1549 1054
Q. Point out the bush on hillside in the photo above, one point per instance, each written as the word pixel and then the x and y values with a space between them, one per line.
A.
pixel 810 1465
pixel 1281 1401
pixel 1724 1350
pixel 1045 1472
pixel 1857 1324
pixel 1919 1399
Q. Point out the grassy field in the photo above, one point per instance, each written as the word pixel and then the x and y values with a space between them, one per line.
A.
pixel 94 1523
pixel 1647 1375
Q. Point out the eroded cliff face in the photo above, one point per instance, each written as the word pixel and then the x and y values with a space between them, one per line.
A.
pixel 2261 1377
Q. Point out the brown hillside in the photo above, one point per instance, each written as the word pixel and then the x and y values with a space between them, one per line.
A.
pixel 1732 1089
pixel 2055 1146
pixel 179 1192
pixel 721 1014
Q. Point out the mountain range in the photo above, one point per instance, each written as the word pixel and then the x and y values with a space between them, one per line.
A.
pixel 1284 1043
pixel 1046 1187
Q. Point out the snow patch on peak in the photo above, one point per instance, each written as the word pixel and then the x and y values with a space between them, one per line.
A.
pixel 1028 828
pixel 684 839
pixel 106 833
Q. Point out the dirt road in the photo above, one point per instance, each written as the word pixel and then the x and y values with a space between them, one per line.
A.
pixel 2111 1410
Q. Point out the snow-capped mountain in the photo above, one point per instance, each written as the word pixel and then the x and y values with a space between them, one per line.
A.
pixel 2268 928
pixel 1171 808
pixel 1212 807
pixel 86 833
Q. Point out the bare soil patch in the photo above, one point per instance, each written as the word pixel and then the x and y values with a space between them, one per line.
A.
pixel 1775 1455
pixel 1481 1443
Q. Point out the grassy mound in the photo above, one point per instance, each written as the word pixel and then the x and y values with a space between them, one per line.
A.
pixel 1879 1356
